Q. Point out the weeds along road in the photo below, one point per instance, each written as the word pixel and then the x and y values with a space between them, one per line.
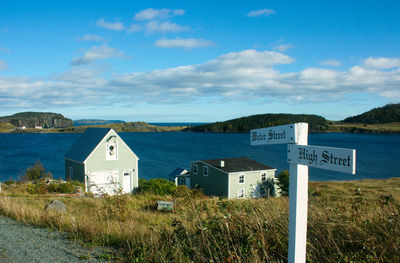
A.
pixel 22 243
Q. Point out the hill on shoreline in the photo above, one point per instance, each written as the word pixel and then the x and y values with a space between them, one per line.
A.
pixel 245 124
pixel 386 114
pixel 42 119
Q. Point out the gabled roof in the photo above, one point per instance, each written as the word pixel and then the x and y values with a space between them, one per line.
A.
pixel 178 171
pixel 88 141
pixel 233 165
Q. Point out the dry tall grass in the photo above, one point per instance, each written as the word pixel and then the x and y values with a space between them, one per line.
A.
pixel 355 221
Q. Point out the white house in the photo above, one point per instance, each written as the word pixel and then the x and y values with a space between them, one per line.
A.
pixel 103 161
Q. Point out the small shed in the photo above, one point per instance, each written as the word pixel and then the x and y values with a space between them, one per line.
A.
pixel 103 161
pixel 180 176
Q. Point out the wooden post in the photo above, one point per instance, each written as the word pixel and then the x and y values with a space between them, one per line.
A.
pixel 298 202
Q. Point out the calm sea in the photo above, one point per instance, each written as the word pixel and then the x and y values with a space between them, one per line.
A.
pixel 378 156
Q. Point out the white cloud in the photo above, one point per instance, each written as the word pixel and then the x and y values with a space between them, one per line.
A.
pixel 382 63
pixel 283 47
pixel 186 43
pixel 262 12
pixel 164 27
pixel 151 14
pixel 90 37
pixel 97 53
pixel 134 28
pixel 331 63
pixel 3 65
pixel 117 26
pixel 245 76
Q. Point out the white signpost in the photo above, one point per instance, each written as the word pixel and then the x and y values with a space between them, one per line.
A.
pixel 300 156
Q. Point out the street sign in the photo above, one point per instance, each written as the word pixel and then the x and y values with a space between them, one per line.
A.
pixel 283 134
pixel 300 156
pixel 336 159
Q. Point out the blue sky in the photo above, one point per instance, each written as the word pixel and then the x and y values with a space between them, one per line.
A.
pixel 198 61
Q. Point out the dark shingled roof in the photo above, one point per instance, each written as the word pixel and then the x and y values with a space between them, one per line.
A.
pixel 88 141
pixel 233 165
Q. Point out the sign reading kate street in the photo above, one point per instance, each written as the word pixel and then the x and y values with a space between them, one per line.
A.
pixel 273 135
pixel 337 159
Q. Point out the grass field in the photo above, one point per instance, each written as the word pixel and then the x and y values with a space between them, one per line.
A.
pixel 393 127
pixel 355 221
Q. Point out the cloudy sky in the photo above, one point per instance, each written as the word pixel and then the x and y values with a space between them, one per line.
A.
pixel 198 61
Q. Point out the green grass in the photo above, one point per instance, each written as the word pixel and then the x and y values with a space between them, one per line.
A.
pixel 355 221
pixel 393 127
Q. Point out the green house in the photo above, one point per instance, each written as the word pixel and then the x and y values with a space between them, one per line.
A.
pixel 103 161
pixel 232 178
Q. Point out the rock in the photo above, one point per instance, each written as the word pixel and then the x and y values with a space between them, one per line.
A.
pixel 56 205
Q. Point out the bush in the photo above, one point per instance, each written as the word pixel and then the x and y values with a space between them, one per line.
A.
pixel 40 188
pixel 36 172
pixel 67 187
pixel 156 186
pixel 283 183
pixel 9 182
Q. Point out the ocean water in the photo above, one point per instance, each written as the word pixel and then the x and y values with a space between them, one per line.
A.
pixel 378 155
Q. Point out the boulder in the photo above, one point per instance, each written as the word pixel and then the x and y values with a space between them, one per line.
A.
pixel 56 205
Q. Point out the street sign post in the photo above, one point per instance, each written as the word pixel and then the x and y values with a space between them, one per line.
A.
pixel 300 156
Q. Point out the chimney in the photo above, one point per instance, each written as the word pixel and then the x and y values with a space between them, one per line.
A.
pixel 222 163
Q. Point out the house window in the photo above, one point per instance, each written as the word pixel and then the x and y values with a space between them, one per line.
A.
pixel 263 177
pixel 241 179
pixel 195 168
pixel 127 173
pixel 111 151
pixel 241 193
pixel 205 170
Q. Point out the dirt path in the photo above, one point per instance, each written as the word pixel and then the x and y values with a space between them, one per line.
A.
pixel 22 243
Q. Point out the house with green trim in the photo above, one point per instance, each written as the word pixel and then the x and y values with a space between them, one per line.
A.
pixel 233 178
pixel 103 161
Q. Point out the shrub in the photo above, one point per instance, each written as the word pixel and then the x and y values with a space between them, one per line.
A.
pixel 267 188
pixel 36 172
pixel 283 183
pixel 116 205
pixel 67 187
pixel 40 188
pixel 156 186
pixel 9 182
pixel 183 192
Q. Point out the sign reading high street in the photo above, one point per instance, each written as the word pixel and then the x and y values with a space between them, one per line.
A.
pixel 337 159
pixel 300 156
pixel 283 134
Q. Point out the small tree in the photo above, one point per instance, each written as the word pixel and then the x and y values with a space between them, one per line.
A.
pixel 283 183
pixel 36 172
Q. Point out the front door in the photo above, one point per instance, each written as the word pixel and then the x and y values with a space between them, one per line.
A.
pixel 126 182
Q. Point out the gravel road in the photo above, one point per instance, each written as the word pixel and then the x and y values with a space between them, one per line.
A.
pixel 20 243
